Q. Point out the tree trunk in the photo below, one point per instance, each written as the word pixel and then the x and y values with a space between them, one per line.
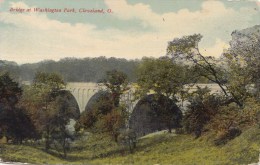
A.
pixel 170 130
pixel 47 140
pixel 115 137
pixel 64 148
pixel 47 144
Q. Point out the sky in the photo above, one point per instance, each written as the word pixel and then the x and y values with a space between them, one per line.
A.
pixel 128 29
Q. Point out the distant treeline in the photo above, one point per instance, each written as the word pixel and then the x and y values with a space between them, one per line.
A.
pixel 73 69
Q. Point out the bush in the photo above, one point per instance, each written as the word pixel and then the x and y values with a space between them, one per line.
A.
pixel 249 114
pixel 203 107
pixel 128 139
pixel 226 118
pixel 230 118
pixel 231 134
pixel 233 116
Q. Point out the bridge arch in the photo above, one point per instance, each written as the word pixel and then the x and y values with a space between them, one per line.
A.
pixel 83 92
pixel 96 98
pixel 71 103
pixel 145 117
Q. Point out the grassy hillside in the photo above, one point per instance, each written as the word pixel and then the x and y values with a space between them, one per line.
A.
pixel 161 148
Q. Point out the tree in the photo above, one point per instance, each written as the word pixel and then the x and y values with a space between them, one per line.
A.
pixel 12 68
pixel 10 91
pixel 16 125
pixel 64 111
pixel 128 139
pixel 116 83
pixel 100 104
pixel 244 52
pixel 84 70
pixel 113 122
pixel 40 100
pixel 167 112
pixel 238 78
pixel 161 76
pixel 186 48
pixel 104 117
pixel 9 94
pixel 165 79
pixel 202 108
pixel 14 122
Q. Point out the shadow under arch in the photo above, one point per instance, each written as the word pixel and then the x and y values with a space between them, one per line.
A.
pixel 71 103
pixel 145 116
pixel 100 100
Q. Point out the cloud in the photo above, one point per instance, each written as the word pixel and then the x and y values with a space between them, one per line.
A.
pixel 216 50
pixel 18 5
pixel 213 14
pixel 1 1
pixel 34 37
pixel 258 2
pixel 213 20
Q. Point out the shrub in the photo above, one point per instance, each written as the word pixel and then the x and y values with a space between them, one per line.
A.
pixel 233 116
pixel 226 118
pixel 230 120
pixel 203 107
pixel 231 134
pixel 128 139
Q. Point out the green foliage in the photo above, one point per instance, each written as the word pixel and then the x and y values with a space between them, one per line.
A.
pixel 231 116
pixel 116 83
pixel 103 120
pixel 165 79
pixel 106 115
pixel 10 91
pixel 87 120
pixel 14 122
pixel 42 94
pixel 49 108
pixel 161 76
pixel 238 79
pixel 226 118
pixel 74 69
pixel 48 84
pixel 186 49
pixel 167 112
pixel 101 105
pixel 244 52
pixel 184 45
pixel 128 139
pixel 11 67
pixel 202 108
pixel 113 122
pixel 60 135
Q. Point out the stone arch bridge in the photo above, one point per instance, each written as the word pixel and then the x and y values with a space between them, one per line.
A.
pixel 84 91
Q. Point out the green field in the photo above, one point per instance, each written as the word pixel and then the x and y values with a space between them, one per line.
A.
pixel 162 148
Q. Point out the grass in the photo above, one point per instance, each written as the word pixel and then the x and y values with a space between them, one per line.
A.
pixel 158 148
pixel 21 153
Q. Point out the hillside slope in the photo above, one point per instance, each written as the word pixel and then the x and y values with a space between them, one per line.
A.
pixel 161 148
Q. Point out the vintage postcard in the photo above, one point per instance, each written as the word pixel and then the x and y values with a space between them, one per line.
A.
pixel 130 82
